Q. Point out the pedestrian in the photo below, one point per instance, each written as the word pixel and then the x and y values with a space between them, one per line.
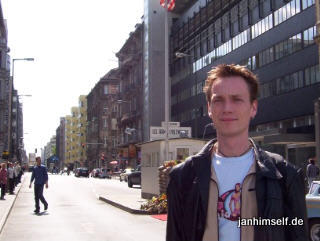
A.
pixel 231 180
pixel 312 171
pixel 3 180
pixel 11 178
pixel 16 170
pixel 40 177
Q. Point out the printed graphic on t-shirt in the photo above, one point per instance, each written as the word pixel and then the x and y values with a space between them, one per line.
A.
pixel 229 204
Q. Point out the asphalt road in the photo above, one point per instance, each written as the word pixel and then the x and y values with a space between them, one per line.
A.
pixel 75 213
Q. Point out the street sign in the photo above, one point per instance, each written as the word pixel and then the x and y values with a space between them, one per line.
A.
pixel 158 132
pixel 170 124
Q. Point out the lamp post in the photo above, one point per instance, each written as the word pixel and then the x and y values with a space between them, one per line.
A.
pixel 10 99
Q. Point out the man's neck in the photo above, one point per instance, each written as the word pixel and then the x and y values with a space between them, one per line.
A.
pixel 232 146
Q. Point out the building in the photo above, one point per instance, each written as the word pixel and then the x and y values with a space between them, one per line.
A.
pixel 4 83
pixel 82 131
pixel 99 109
pixel 67 142
pixel 275 39
pixel 153 66
pixel 60 143
pixel 130 120
pixel 16 128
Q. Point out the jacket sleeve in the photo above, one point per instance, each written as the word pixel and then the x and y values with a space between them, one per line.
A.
pixel 297 204
pixel 174 227
pixel 45 174
pixel 32 176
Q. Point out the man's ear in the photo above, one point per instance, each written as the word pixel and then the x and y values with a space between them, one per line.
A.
pixel 254 109
pixel 209 110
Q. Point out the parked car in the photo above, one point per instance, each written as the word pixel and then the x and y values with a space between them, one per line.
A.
pixel 313 210
pixel 124 174
pixel 82 172
pixel 105 173
pixel 95 172
pixel 134 178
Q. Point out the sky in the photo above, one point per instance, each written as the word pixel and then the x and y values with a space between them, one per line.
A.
pixel 73 43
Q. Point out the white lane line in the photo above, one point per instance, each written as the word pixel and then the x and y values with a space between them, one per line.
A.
pixel 93 189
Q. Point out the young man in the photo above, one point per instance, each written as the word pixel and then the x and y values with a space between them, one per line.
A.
pixel 40 175
pixel 231 181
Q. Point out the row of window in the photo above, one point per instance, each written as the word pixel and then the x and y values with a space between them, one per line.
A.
pixel 282 49
pixel 299 79
pixel 196 89
pixel 284 13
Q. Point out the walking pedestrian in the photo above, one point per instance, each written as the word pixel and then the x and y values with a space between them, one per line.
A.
pixel 16 170
pixel 40 177
pixel 213 194
pixel 11 178
pixel 312 171
pixel 3 180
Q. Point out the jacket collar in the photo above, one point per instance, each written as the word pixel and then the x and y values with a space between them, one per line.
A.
pixel 265 167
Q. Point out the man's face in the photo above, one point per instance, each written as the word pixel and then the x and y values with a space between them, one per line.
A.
pixel 38 160
pixel 230 107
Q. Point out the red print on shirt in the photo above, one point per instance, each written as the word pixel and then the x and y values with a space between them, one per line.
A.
pixel 229 204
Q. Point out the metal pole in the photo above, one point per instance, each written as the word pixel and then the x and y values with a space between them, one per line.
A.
pixel 166 85
pixel 317 127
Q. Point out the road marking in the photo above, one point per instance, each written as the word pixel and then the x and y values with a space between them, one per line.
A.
pixel 93 189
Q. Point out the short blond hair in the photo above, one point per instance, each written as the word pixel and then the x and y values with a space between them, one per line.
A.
pixel 228 70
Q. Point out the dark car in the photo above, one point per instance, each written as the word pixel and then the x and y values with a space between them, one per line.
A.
pixel 134 178
pixel 82 172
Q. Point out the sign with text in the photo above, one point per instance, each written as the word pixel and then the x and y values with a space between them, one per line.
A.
pixel 158 132
pixel 171 124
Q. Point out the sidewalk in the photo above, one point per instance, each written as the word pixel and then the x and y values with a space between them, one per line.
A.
pixel 7 204
pixel 128 200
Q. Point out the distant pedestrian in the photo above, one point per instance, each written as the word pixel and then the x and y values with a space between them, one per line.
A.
pixel 312 171
pixel 11 178
pixel 16 170
pixel 40 175
pixel 3 179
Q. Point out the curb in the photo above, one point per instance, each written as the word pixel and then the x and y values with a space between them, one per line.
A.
pixel 124 208
pixel 6 215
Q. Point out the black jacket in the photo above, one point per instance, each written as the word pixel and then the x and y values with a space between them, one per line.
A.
pixel 280 192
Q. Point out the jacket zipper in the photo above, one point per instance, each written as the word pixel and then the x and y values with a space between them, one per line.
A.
pixel 217 206
pixel 241 203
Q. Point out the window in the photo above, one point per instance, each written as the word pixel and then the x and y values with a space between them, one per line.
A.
pixel 105 88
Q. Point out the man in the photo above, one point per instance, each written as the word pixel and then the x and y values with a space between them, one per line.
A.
pixel 40 175
pixel 312 171
pixel 231 179
pixel 11 179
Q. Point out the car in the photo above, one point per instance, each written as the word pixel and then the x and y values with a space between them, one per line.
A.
pixel 134 178
pixel 82 172
pixel 313 210
pixel 95 172
pixel 104 173
pixel 124 174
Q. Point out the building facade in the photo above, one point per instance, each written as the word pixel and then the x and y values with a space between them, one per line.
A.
pixel 4 84
pixel 275 39
pixel 98 132
pixel 82 131
pixel 130 109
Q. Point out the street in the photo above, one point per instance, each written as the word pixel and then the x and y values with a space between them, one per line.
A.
pixel 75 213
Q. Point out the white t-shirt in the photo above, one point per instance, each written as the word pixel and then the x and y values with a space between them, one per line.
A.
pixel 230 172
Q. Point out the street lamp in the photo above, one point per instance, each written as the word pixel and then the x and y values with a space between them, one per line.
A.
pixel 10 98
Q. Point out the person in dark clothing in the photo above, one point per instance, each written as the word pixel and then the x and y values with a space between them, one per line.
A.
pixel 40 177
pixel 232 189
pixel 3 179
pixel 312 171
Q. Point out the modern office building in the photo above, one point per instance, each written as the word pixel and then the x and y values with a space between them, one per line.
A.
pixel 275 39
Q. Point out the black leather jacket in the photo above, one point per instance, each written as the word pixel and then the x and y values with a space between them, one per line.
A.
pixel 280 192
